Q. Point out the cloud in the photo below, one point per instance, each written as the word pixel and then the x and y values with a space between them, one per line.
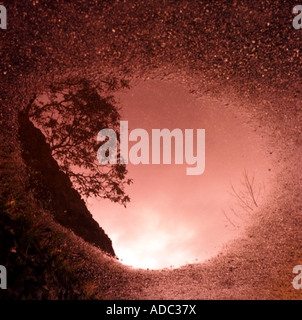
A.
pixel 174 218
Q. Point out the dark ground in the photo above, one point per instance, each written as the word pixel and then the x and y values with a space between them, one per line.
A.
pixel 245 53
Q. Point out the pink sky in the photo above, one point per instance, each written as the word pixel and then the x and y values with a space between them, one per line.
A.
pixel 174 218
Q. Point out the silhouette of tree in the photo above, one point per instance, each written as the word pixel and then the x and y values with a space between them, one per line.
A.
pixel 70 115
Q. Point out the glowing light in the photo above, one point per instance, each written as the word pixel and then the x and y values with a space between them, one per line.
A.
pixel 173 218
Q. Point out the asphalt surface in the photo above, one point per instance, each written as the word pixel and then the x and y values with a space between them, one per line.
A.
pixel 245 53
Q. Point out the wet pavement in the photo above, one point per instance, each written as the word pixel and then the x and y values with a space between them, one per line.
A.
pixel 245 54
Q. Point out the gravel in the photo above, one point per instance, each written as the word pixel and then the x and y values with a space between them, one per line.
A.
pixel 246 54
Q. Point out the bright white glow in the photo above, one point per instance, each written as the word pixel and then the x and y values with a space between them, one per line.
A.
pixel 173 218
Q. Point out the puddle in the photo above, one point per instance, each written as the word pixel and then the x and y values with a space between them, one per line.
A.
pixel 173 218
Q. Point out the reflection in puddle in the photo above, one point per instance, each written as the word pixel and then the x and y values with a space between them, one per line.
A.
pixel 174 218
